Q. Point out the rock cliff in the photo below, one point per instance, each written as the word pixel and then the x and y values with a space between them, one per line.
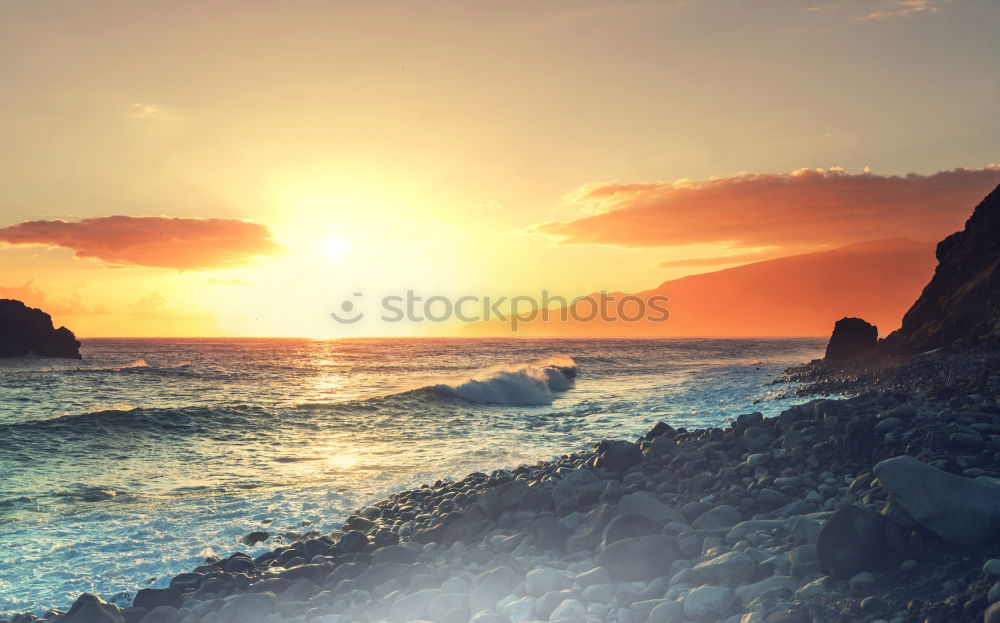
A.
pixel 961 304
pixel 852 339
pixel 25 330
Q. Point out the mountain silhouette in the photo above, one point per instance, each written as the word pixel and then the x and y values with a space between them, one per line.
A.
pixel 796 295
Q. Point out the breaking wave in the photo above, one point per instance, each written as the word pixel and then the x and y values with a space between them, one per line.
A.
pixel 528 384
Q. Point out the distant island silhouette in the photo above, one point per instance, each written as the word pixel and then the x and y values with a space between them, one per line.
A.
pixel 29 331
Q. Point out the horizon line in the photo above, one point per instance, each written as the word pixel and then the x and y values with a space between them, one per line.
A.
pixel 453 337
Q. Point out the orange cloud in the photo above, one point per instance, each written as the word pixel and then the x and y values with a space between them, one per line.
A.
pixel 33 296
pixel 158 241
pixel 802 208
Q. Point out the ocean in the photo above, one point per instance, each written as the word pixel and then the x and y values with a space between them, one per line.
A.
pixel 130 466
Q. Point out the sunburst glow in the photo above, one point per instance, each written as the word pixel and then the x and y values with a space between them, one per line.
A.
pixel 335 247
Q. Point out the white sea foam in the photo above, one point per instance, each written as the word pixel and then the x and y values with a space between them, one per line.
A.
pixel 534 383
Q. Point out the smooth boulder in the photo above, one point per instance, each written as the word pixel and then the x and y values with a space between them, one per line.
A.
pixel 731 567
pixel 853 540
pixel 960 510
pixel 414 605
pixel 639 558
pixel 709 601
pixel 151 598
pixel 90 608
pixel 722 517
pixel 629 526
pixel 617 455
pixel 247 608
pixel 489 587
pixel 161 614
pixel 648 506
pixel 543 580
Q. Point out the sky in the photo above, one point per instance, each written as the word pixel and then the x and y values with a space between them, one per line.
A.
pixel 243 168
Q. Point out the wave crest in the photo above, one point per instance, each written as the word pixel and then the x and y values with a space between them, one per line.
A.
pixel 61 430
pixel 529 384
pixel 141 367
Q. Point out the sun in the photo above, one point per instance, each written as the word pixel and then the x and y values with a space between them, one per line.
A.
pixel 334 247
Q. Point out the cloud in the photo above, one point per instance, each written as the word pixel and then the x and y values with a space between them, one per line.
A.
pixel 33 296
pixel 156 315
pixel 151 113
pixel 158 241
pixel 904 8
pixel 156 307
pixel 805 208
pixel 146 111
pixel 863 10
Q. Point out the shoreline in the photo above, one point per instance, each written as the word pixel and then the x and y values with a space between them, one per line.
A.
pixel 718 524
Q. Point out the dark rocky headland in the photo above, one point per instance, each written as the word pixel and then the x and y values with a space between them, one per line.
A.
pixel 28 331
pixel 883 506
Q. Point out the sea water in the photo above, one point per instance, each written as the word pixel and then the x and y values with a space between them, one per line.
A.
pixel 135 463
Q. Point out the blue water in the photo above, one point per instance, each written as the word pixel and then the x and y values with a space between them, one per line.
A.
pixel 135 463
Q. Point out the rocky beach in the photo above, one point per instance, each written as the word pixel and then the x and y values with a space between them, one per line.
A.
pixel 881 506
pixel 562 311
pixel 878 507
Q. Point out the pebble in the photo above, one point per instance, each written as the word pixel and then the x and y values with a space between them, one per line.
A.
pixel 648 506
pixel 749 592
pixel 540 581
pixel 519 609
pixel 993 595
pixel 730 568
pixel 709 601
pixel 720 517
pixel 597 575
pixel 570 611
pixel 666 612
pixel 863 583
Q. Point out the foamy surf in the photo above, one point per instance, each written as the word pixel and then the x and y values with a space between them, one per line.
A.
pixel 529 384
